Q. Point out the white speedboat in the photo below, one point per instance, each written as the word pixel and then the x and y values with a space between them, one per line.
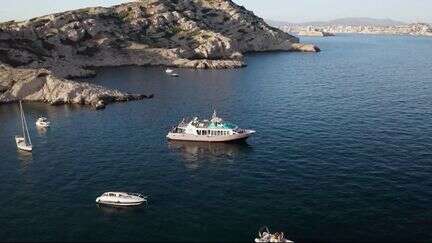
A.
pixel 169 70
pixel 23 142
pixel 215 130
pixel 264 235
pixel 121 199
pixel 42 122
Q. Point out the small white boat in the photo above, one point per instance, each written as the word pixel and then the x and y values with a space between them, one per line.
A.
pixel 174 74
pixel 264 235
pixel 42 122
pixel 121 199
pixel 169 70
pixel 23 142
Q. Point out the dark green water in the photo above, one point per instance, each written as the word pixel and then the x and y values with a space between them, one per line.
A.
pixel 342 152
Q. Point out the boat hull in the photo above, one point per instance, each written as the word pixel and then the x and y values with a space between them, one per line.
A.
pixel 43 124
pixel 211 139
pixel 257 240
pixel 119 203
pixel 21 145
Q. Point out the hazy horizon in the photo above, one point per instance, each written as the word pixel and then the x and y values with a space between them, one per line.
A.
pixel 277 10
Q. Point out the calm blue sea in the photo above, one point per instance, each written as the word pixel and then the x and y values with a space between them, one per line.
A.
pixel 343 152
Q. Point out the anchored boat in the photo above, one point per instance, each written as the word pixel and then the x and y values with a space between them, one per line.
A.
pixel 42 122
pixel 171 72
pixel 121 199
pixel 214 130
pixel 23 142
pixel 264 235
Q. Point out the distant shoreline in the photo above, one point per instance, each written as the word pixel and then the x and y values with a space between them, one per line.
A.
pixel 416 29
pixel 362 34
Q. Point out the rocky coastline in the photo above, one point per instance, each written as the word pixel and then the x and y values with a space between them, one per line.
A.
pixel 38 56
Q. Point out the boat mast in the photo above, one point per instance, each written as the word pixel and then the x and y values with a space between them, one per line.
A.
pixel 24 122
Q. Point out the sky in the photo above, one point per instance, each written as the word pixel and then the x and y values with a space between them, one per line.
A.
pixel 282 10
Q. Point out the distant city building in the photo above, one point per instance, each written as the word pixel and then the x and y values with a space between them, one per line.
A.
pixel 417 29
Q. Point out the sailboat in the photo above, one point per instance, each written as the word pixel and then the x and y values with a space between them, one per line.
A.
pixel 23 142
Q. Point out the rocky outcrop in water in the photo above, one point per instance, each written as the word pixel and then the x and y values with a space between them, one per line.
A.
pixel 314 32
pixel 181 33
pixel 40 85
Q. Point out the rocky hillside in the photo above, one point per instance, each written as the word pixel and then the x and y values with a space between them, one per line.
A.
pixel 182 33
pixel 41 85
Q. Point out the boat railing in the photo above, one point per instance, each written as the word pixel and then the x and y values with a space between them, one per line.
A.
pixel 182 125
pixel 240 131
pixel 178 130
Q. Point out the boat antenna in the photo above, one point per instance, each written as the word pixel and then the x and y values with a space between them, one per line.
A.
pixel 214 114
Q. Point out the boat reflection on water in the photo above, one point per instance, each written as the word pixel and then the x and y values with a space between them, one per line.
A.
pixel 25 158
pixel 194 152
pixel 41 130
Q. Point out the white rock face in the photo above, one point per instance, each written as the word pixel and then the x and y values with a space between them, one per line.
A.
pixel 40 85
pixel 182 33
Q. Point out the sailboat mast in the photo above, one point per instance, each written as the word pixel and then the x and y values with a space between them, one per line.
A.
pixel 22 120
pixel 25 127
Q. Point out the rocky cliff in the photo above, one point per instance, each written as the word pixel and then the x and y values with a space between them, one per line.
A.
pixel 181 33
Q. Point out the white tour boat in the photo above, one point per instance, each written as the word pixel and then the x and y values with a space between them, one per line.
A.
pixel 23 142
pixel 264 235
pixel 215 130
pixel 121 199
pixel 169 70
pixel 42 122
